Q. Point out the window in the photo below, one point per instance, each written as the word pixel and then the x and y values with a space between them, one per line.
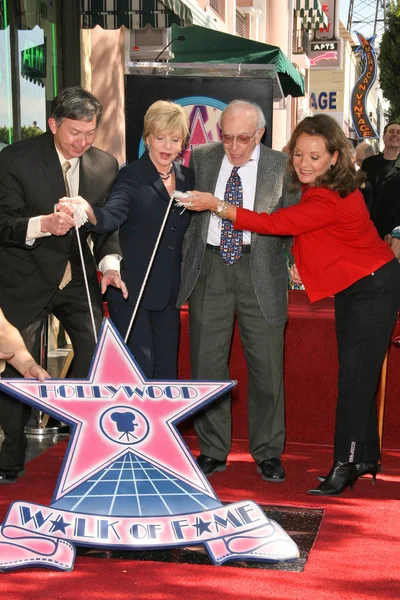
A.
pixel 27 74
pixel 218 7
pixel 241 23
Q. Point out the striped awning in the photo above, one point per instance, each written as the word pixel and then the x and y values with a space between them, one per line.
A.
pixel 312 14
pixel 134 14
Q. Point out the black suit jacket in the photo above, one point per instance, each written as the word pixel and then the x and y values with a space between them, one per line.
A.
pixel 385 212
pixel 31 183
pixel 137 204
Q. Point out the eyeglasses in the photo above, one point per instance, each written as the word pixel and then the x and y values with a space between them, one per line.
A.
pixel 243 138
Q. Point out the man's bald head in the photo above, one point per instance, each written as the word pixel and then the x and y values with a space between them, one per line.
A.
pixel 363 150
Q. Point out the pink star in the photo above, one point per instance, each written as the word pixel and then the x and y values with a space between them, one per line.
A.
pixel 116 410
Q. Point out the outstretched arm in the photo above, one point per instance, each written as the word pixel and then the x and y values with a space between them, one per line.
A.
pixel 14 351
pixel 320 211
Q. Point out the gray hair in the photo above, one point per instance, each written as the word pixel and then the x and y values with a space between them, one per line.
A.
pixel 246 105
pixel 77 104
pixel 369 151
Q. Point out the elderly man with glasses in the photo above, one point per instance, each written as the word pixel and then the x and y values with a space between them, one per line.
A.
pixel 228 275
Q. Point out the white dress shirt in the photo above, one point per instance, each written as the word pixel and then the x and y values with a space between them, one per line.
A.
pixel 248 176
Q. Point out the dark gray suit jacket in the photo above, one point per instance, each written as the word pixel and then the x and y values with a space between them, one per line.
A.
pixel 31 183
pixel 268 263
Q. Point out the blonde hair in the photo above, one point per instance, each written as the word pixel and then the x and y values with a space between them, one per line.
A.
pixel 167 116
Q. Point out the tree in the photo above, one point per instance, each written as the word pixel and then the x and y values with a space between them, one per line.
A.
pixel 389 60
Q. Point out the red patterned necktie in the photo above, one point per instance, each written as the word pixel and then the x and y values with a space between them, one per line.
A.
pixel 231 240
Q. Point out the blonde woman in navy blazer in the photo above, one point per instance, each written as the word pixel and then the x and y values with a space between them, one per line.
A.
pixel 137 204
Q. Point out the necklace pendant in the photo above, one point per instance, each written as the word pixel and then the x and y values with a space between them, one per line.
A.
pixel 166 175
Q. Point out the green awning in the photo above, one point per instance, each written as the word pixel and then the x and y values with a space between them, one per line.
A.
pixel 312 14
pixel 206 45
pixel 134 14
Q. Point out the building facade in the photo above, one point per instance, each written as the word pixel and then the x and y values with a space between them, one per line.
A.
pixel 48 44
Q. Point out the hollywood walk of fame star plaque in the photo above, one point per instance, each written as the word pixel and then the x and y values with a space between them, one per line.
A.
pixel 128 479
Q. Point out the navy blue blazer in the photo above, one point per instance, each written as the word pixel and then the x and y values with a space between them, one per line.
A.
pixel 137 204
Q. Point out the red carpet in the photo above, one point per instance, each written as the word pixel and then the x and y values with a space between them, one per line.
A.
pixel 356 554
pixel 357 550
pixel 310 375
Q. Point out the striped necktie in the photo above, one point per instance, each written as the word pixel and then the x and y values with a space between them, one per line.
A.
pixel 68 272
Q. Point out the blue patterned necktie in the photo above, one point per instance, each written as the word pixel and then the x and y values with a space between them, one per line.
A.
pixel 231 240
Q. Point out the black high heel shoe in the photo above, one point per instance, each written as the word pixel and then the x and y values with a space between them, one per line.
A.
pixel 341 476
pixel 368 468
pixel 363 468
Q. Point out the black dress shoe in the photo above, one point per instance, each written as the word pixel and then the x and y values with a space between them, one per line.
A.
pixel 210 465
pixel 271 470
pixel 340 477
pixel 10 476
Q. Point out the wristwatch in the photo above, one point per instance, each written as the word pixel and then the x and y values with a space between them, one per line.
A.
pixel 220 207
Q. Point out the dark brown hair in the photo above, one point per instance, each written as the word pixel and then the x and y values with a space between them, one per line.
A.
pixel 389 124
pixel 77 104
pixel 341 177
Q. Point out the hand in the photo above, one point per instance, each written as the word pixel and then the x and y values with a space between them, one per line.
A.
pixel 57 223
pixel 35 371
pixel 29 368
pixel 199 201
pixel 294 275
pixel 67 205
pixel 111 277
pixel 395 246
pixel 388 239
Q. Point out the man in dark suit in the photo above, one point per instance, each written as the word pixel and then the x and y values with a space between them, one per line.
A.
pixel 254 288
pixel 41 271
pixel 383 173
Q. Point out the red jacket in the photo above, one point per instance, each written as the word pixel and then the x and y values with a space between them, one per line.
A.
pixel 336 243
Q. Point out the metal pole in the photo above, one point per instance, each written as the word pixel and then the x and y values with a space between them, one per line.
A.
pixel 40 417
pixel 382 396
pixel 149 267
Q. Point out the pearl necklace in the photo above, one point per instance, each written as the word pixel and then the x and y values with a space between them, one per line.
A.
pixel 165 176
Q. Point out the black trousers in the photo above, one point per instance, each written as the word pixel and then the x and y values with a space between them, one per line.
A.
pixel 365 316
pixel 70 306
pixel 154 337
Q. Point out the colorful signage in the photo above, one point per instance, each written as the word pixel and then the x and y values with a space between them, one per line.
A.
pixel 33 63
pixel 358 107
pixel 128 479
pixel 204 114
pixel 325 47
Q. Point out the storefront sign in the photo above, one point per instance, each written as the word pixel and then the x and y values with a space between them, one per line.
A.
pixel 362 124
pixel 323 101
pixel 325 47
pixel 33 63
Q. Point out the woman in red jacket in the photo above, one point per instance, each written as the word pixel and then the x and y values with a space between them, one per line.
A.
pixel 337 252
